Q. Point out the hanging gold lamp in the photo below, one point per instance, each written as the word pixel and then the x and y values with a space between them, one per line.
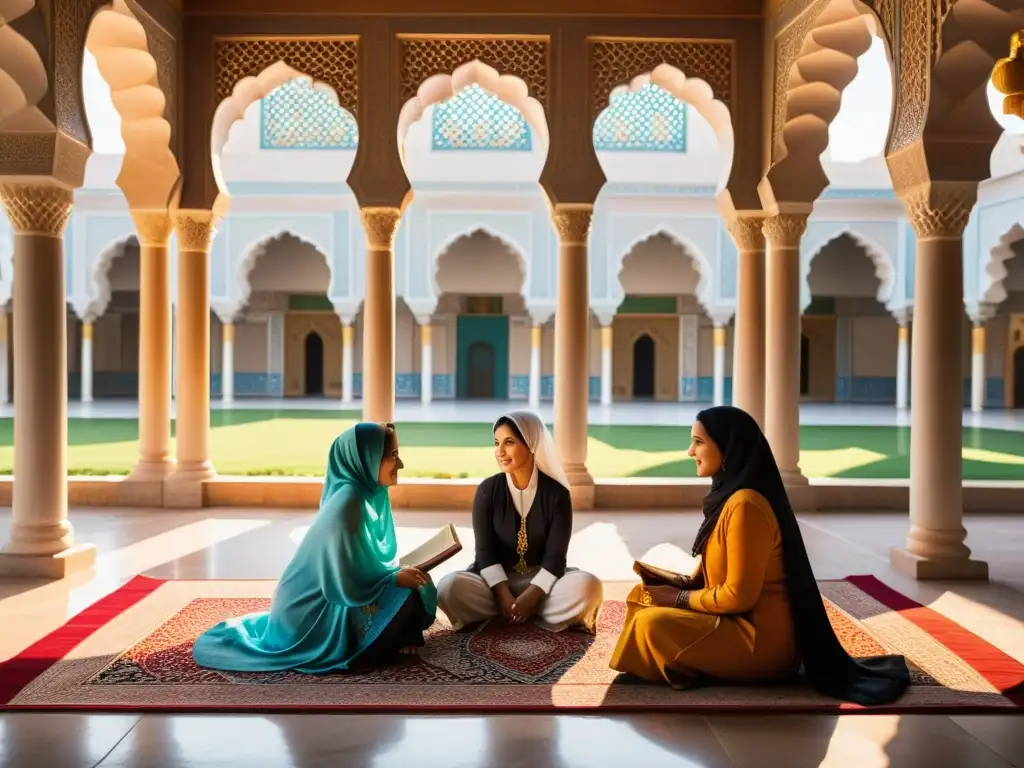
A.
pixel 1008 76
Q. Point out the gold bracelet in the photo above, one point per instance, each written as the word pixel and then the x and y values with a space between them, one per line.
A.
pixel 682 600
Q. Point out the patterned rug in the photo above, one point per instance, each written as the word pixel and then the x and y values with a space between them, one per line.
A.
pixel 132 651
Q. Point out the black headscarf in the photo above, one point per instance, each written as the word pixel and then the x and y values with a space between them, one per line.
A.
pixel 748 463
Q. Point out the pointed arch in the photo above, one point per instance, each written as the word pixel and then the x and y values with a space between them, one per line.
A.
pixel 245 93
pixel 509 88
pixel 994 289
pixel 99 272
pixel 699 95
pixel 700 261
pixel 885 269
pixel 509 242
pixel 252 252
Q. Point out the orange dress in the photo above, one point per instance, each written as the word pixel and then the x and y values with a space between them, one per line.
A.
pixel 739 627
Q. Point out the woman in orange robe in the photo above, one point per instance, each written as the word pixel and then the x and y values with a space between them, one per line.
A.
pixel 751 611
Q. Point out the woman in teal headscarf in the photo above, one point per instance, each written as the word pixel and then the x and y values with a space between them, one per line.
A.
pixel 342 603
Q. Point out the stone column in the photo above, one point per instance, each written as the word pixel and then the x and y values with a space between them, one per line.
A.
pixel 227 363
pixel 380 225
pixel 195 230
pixel 5 394
pixel 748 345
pixel 719 371
pixel 347 361
pixel 87 367
pixel 903 368
pixel 782 342
pixel 155 462
pixel 607 336
pixel 426 364
pixel 536 341
pixel 978 366
pixel 935 543
pixel 572 354
pixel 42 539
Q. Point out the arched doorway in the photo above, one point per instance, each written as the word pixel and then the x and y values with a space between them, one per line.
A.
pixel 314 347
pixel 805 365
pixel 480 362
pixel 643 368
pixel 1018 378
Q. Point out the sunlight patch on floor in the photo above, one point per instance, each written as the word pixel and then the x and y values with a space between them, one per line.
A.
pixel 829 463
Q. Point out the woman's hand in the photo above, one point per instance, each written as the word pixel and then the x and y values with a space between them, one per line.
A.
pixel 663 596
pixel 505 599
pixel 411 578
pixel 525 603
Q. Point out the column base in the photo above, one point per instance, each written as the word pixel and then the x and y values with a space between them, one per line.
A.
pixel 581 486
pixel 930 569
pixel 55 566
pixel 183 488
pixel 144 487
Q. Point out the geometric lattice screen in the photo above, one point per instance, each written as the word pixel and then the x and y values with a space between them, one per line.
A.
pixel 294 116
pixel 648 120
pixel 476 119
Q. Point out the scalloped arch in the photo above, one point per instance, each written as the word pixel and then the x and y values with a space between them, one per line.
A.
pixel 825 65
pixel 257 248
pixel 995 266
pixel 699 95
pixel 517 250
pixel 246 92
pixel 23 78
pixel 885 270
pixel 100 274
pixel 700 261
pixel 149 172
pixel 509 88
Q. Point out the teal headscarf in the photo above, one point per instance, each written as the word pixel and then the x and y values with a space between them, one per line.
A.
pixel 369 540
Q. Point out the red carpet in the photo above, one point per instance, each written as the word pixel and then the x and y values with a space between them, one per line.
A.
pixel 132 651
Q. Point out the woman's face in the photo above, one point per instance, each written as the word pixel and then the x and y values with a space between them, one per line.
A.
pixel 705 451
pixel 511 452
pixel 390 462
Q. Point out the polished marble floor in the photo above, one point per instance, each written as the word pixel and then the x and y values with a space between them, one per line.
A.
pixel 633 414
pixel 220 543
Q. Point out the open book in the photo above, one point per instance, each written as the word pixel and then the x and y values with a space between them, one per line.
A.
pixel 442 546
pixel 653 576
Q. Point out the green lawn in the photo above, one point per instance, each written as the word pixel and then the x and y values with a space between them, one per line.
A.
pixel 291 442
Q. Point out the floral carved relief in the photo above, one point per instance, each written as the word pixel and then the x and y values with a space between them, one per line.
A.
pixel 524 57
pixel 785 229
pixel 195 230
pixel 153 228
pixel 331 60
pixel 572 223
pixel 380 225
pixel 747 232
pixel 615 62
pixel 913 70
pixel 37 209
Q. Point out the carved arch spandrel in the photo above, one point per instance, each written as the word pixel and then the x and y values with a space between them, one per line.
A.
pixel 527 57
pixel 333 60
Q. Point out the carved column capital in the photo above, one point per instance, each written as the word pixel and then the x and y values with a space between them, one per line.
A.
pixel 747 232
pixel 784 230
pixel 153 227
pixel 195 230
pixel 380 226
pixel 572 222
pixel 939 210
pixel 37 209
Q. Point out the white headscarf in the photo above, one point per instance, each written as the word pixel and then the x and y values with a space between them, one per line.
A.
pixel 540 442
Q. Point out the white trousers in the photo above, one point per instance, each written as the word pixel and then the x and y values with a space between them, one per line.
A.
pixel 574 600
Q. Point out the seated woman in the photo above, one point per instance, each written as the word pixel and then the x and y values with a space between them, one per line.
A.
pixel 342 603
pixel 522 522
pixel 752 611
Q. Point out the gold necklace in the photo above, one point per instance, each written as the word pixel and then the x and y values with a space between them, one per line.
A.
pixel 521 541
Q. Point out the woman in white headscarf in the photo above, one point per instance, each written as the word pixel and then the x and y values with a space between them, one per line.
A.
pixel 522 522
